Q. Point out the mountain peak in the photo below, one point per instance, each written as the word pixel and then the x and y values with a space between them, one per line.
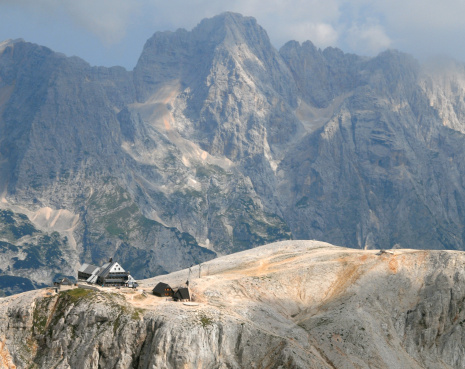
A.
pixel 9 42
pixel 179 55
pixel 231 28
pixel 229 19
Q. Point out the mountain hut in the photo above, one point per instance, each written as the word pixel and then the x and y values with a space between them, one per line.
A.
pixel 182 294
pixel 63 282
pixel 109 274
pixel 87 270
pixel 163 290
pixel 131 282
pixel 112 274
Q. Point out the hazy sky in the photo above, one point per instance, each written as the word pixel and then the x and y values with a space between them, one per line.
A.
pixel 113 32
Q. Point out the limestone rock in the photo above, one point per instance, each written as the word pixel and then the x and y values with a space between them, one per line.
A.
pixel 293 304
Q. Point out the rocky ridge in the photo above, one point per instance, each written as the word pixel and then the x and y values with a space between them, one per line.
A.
pixel 217 142
pixel 293 304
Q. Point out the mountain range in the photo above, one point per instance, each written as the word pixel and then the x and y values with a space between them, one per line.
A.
pixel 216 143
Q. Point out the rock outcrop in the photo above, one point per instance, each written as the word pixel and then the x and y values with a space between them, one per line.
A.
pixel 294 304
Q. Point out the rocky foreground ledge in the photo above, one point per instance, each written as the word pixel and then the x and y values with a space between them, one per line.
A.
pixel 293 304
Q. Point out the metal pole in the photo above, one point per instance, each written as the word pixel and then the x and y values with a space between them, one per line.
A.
pixel 189 276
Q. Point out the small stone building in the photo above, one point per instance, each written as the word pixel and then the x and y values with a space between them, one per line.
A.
pixel 63 283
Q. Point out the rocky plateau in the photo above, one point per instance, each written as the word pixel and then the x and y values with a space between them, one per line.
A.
pixel 291 304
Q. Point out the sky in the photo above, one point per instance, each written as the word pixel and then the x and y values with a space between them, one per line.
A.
pixel 113 32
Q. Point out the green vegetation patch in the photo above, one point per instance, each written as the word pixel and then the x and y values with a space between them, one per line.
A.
pixel 115 211
pixel 77 294
pixel 109 200
pixel 137 314
pixel 67 299
pixel 124 314
pixel 205 321
pixel 40 315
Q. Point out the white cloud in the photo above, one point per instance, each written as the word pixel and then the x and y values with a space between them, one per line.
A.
pixel 422 14
pixel 368 39
pixel 360 26
pixel 321 34
pixel 282 19
pixel 106 19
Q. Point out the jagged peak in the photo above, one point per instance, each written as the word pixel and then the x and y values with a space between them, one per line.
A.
pixel 393 60
pixel 10 42
pixel 229 19
pixel 227 26
pixel 172 53
pixel 395 56
pixel 44 50
pixel 231 28
pixel 229 16
pixel 309 46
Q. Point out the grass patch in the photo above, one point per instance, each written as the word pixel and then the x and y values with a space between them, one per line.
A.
pixel 77 294
pixel 40 316
pixel 137 314
pixel 205 321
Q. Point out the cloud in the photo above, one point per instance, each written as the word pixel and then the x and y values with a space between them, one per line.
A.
pixel 422 14
pixel 359 26
pixel 298 20
pixel 367 39
pixel 106 19
pixel 321 34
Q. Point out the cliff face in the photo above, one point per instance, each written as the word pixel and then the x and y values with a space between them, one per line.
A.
pixel 374 172
pixel 216 142
pixel 295 304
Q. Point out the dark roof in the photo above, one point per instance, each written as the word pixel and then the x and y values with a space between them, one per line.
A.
pixel 159 289
pixel 106 269
pixel 66 281
pixel 88 268
pixel 182 294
